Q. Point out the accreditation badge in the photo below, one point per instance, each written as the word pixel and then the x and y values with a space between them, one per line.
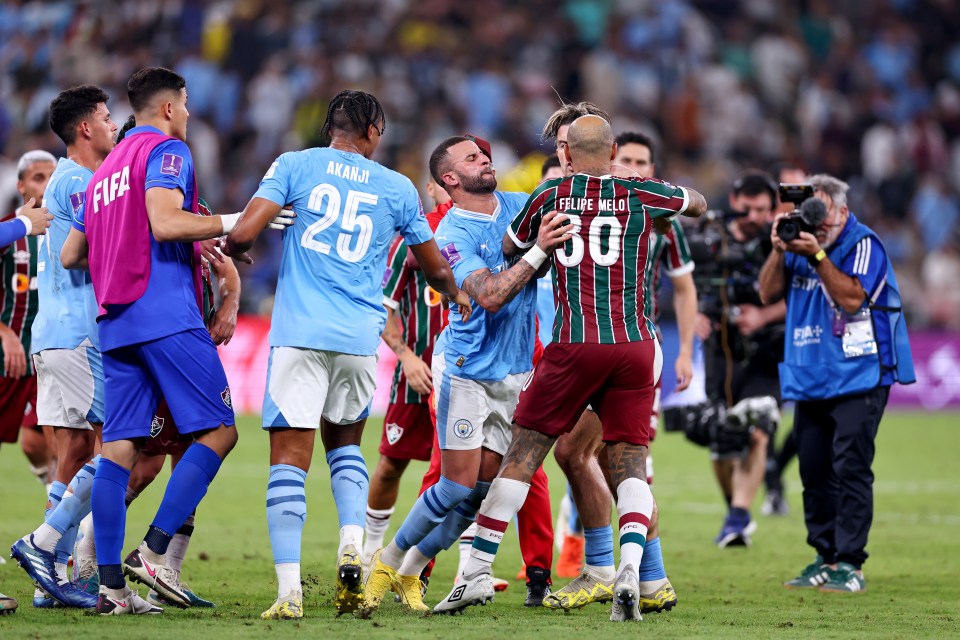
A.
pixel 858 337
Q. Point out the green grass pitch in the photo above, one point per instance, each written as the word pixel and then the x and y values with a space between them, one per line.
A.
pixel 913 575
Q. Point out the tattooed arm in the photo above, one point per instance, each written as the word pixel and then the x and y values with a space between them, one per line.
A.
pixel 493 291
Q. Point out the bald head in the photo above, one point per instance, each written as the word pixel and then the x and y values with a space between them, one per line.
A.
pixel 591 143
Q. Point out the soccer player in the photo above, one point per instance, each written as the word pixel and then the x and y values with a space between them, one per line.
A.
pixel 66 348
pixel 326 325
pixel 604 351
pixel 667 251
pixel 18 307
pixel 479 365
pixel 137 231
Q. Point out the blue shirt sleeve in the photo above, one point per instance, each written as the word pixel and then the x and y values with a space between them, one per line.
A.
pixel 11 231
pixel 868 263
pixel 170 166
pixel 275 185
pixel 412 224
pixel 461 253
pixel 78 210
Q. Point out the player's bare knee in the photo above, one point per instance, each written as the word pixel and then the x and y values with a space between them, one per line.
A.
pixel 391 469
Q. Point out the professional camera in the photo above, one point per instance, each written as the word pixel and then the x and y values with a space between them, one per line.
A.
pixel 810 214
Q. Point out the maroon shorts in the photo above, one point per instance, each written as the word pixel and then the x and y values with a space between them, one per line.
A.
pixel 164 438
pixel 616 379
pixel 18 406
pixel 407 432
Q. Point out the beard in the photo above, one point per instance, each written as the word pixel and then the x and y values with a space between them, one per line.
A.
pixel 486 182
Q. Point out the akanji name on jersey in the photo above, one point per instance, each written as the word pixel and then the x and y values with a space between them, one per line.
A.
pixel 598 274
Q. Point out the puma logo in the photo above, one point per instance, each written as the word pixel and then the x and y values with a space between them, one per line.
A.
pixel 302 516
pixel 356 482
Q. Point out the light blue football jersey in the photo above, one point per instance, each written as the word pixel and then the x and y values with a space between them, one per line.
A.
pixel 489 346
pixel 68 307
pixel 335 254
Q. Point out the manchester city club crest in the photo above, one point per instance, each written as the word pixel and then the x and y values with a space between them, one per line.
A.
pixel 463 428
pixel 394 433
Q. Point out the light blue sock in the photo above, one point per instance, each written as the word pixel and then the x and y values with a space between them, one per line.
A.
pixel 75 506
pixel 57 490
pixel 598 546
pixel 429 510
pixel 350 484
pixel 456 522
pixel 286 511
pixel 651 564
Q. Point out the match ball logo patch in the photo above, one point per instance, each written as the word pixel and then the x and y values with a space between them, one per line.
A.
pixel 156 426
pixel 76 201
pixel 225 396
pixel 394 433
pixel 171 164
pixel 463 428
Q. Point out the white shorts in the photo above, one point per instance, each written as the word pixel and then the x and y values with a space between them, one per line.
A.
pixel 474 413
pixel 69 386
pixel 305 385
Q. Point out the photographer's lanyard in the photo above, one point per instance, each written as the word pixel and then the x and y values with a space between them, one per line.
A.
pixel 855 330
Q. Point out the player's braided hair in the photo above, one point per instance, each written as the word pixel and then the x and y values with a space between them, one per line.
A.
pixel 566 114
pixel 353 111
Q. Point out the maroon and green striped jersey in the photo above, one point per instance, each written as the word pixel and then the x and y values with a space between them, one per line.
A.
pixel 668 252
pixel 598 274
pixel 405 290
pixel 208 309
pixel 18 290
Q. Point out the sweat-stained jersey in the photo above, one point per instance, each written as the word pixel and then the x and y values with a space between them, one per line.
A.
pixel 420 310
pixel 598 273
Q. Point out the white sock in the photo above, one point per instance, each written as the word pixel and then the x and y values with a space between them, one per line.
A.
pixel 86 546
pixel 466 543
pixel 504 499
pixel 46 537
pixel 392 555
pixel 378 520
pixel 413 563
pixel 288 578
pixel 634 508
pixel 61 568
pixel 177 550
pixel 350 534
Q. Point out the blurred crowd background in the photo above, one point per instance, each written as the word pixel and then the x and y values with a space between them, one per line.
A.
pixel 867 90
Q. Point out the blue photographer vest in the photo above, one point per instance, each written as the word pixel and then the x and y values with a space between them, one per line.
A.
pixel 814 366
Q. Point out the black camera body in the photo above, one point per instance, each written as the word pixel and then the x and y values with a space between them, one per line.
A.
pixel 727 271
pixel 808 215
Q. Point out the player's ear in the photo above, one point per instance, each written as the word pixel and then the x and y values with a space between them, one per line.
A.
pixel 613 151
pixel 450 179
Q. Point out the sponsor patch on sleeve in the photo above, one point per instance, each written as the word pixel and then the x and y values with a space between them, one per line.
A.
pixel 171 164
pixel 451 254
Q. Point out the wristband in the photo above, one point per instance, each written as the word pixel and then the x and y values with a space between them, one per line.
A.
pixel 27 222
pixel 535 257
pixel 817 258
pixel 229 221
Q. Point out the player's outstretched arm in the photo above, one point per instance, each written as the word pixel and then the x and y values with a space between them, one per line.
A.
pixel 73 254
pixel 685 306
pixel 255 217
pixel 170 223
pixel 440 276
pixel 492 291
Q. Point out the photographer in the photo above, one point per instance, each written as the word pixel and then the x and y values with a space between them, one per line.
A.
pixel 846 343
pixel 743 342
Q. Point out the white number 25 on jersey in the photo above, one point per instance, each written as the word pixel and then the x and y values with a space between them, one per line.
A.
pixel 351 222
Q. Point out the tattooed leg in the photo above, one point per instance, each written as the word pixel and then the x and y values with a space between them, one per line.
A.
pixel 525 455
pixel 627 464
